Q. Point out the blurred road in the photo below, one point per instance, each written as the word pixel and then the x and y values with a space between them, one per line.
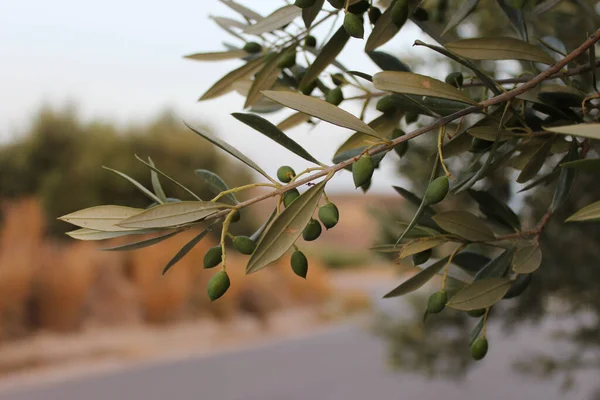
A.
pixel 342 363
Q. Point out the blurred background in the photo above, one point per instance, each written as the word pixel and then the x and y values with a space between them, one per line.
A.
pixel 91 84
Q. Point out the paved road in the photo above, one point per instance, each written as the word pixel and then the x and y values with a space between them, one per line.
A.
pixel 343 363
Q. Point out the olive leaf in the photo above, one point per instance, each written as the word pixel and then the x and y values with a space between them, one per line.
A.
pixel 421 244
pixel 217 56
pixel 143 243
pixel 463 12
pixel 527 259
pixel 489 133
pixel 566 178
pixel 293 120
pixel 256 236
pixel 518 286
pixel 475 331
pixel 224 85
pixel 216 184
pixel 387 62
pixel 498 267
pixel 242 10
pixel 591 131
pixel 326 56
pixel 153 168
pixel 515 16
pixel 232 151
pixel 417 281
pixel 225 22
pixel 414 199
pixel 135 183
pixel 409 83
pixel 465 225
pixel 93 234
pixel 536 162
pixel 588 213
pixel 272 132
pixel 458 145
pixel 172 214
pixel 495 209
pixel 156 186
pixel 480 294
pixel 310 13
pixel 187 248
pixel 320 109
pixel 383 125
pixel 470 262
pixel 587 165
pixel 285 229
pixel 383 31
pixel 101 218
pixel 264 79
pixel 275 20
pixel 499 48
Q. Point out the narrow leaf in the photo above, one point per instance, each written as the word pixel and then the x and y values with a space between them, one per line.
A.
pixel 326 56
pixel 242 10
pixel 383 125
pixel 101 218
pixel 138 185
pixel 463 12
pixel 516 18
pixel 414 199
pixel 536 162
pixel 257 236
pixel 285 229
pixel 418 245
pixel 383 31
pixel 186 249
pixel 232 151
pixel 272 132
pixel 143 243
pixel 217 56
pixel 587 213
pixel 293 120
pixel 480 294
pixel 527 259
pixel 388 62
pixel 92 234
pixel 276 20
pixel 498 267
pixel 417 281
pixel 172 214
pixel 499 48
pixel 591 131
pixel 216 184
pixel 587 165
pixel 153 168
pixel 464 224
pixel 470 262
pixel 224 85
pixel 495 209
pixel 409 83
pixel 310 13
pixel 566 178
pixel 264 79
pixel 156 186
pixel 320 109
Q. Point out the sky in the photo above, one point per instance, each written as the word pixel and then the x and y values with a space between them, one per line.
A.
pixel 121 61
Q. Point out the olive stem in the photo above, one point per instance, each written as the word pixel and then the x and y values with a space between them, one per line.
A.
pixel 447 268
pixel 240 188
pixel 224 232
pixel 442 133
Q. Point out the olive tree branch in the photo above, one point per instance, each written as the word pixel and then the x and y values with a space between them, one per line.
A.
pixel 506 96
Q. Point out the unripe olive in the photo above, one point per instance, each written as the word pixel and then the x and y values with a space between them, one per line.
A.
pixel 400 12
pixel 337 3
pixel 366 186
pixel 436 191
pixel 360 7
pixel 310 41
pixel 353 24
pixel 244 244
pixel 455 79
pixel 253 47
pixel 305 3
pixel 422 257
pixel 338 79
pixel 312 230
pixel 437 302
pixel 290 196
pixel 285 174
pixel 374 14
pixel 218 285
pixel 288 60
pixel 308 89
pixel 213 257
pixel 421 14
pixel 362 170
pixel 411 117
pixel 299 264
pixel 236 217
pixel 400 148
pixel 480 145
pixel 476 313
pixel 329 215
pixel 386 105
pixel 335 96
pixel 479 348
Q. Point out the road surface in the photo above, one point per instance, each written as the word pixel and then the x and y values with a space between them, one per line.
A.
pixel 341 363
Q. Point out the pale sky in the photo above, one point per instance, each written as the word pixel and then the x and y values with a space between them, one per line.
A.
pixel 121 61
